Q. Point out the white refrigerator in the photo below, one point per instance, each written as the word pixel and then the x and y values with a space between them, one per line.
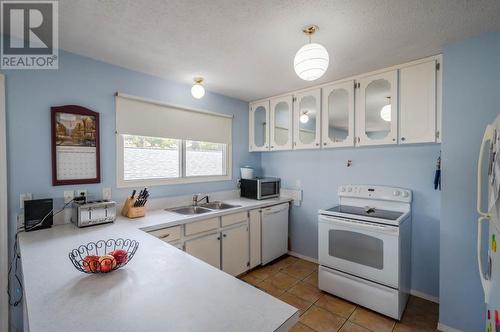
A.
pixel 489 214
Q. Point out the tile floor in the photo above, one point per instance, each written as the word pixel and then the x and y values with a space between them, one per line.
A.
pixel 295 281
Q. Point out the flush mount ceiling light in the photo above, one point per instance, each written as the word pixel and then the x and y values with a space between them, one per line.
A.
pixel 304 118
pixel 385 112
pixel 311 60
pixel 198 91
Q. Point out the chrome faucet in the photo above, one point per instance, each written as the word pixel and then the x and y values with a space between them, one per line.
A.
pixel 196 200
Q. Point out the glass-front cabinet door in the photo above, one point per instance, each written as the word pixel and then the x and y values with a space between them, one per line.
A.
pixel 259 126
pixel 306 119
pixel 281 123
pixel 337 128
pixel 377 109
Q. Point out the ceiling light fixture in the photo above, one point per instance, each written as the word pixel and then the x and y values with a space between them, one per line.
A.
pixel 311 60
pixel 198 91
pixel 385 112
pixel 304 118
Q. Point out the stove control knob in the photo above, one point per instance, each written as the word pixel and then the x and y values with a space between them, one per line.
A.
pixel 396 193
pixel 405 194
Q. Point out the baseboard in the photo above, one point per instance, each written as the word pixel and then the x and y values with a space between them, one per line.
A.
pixel 412 292
pixel 306 258
pixel 424 296
pixel 444 328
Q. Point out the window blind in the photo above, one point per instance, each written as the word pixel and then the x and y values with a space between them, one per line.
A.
pixel 142 117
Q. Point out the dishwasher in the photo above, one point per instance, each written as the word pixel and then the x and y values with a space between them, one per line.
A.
pixel 274 232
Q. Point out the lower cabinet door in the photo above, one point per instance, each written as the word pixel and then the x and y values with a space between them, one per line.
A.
pixel 206 248
pixel 235 250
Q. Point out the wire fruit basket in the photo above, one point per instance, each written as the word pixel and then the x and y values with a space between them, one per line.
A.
pixel 103 256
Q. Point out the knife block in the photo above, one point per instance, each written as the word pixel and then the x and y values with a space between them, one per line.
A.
pixel 132 212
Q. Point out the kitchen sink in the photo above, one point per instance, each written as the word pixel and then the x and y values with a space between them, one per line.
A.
pixel 219 205
pixel 190 210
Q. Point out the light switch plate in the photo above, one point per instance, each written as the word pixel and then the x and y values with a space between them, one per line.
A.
pixel 106 194
pixel 24 197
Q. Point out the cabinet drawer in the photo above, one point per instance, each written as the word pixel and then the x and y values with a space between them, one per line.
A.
pixel 202 226
pixel 168 234
pixel 234 218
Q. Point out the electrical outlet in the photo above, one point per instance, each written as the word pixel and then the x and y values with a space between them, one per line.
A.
pixel 106 194
pixel 20 220
pixel 68 196
pixel 81 192
pixel 24 197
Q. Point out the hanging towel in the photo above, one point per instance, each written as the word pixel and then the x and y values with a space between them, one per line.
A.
pixel 437 175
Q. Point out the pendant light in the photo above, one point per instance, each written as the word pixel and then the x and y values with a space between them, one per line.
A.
pixel 304 118
pixel 198 91
pixel 311 60
pixel 385 112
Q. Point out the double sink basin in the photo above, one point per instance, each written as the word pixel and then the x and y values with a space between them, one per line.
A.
pixel 203 208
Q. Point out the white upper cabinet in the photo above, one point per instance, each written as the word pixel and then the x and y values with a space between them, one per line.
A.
pixel 377 109
pixel 307 119
pixel 337 120
pixel 418 104
pixel 281 123
pixel 259 126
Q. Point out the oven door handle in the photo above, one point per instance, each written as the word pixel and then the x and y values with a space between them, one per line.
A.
pixel 361 225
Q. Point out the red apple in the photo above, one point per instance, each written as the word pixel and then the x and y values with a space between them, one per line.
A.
pixel 91 263
pixel 120 255
pixel 107 263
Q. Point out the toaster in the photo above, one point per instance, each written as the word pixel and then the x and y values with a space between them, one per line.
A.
pixel 93 213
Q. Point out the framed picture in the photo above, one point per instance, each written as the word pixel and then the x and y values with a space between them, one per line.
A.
pixel 75 145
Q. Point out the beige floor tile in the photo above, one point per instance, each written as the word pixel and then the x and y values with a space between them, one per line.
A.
pixel 321 320
pixel 250 279
pixel 296 302
pixel 336 305
pixel 351 327
pixel 306 292
pixel 283 262
pixel 299 327
pixel 307 264
pixel 269 288
pixel 263 273
pixel 312 279
pixel 372 320
pixel 282 280
pixel 298 271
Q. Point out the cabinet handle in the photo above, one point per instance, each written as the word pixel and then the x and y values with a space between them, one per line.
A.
pixel 272 146
pixel 218 238
pixel 317 144
pixel 403 139
pixel 224 235
pixel 164 236
pixel 324 143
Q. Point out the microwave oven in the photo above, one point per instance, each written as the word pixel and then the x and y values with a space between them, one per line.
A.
pixel 260 188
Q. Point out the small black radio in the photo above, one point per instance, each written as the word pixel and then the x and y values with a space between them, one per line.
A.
pixel 38 214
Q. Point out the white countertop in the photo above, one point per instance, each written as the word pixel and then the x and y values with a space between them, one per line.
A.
pixel 161 289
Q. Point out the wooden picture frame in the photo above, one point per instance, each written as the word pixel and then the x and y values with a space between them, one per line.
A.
pixel 75 145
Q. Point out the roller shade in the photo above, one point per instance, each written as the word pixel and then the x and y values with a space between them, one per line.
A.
pixel 142 117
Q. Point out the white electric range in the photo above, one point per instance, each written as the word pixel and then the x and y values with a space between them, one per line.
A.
pixel 365 247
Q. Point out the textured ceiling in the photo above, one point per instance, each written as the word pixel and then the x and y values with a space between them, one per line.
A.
pixel 245 49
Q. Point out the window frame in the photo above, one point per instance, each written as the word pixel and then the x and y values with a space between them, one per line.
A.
pixel 182 179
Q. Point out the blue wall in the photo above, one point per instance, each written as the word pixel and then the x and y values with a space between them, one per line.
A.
pixel 92 84
pixel 471 100
pixel 320 173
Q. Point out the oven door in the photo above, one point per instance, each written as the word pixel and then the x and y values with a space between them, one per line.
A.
pixel 363 249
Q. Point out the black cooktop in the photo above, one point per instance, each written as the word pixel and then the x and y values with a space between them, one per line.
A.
pixel 367 212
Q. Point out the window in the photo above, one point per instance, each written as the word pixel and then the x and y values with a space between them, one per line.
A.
pixel 159 144
pixel 150 157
